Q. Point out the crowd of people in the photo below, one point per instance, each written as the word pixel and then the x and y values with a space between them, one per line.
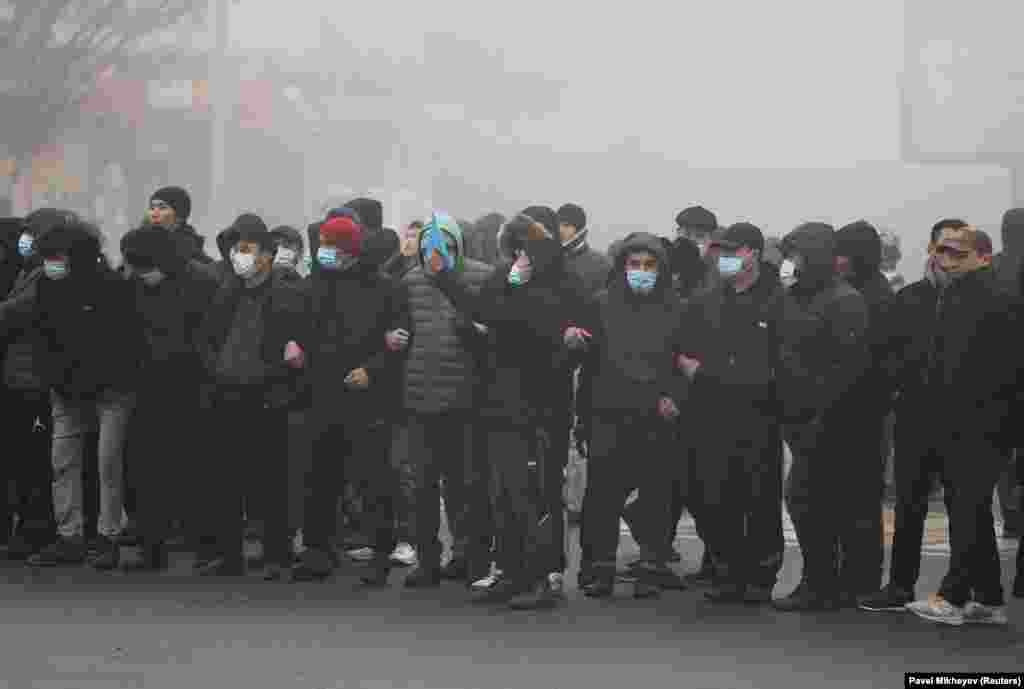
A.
pixel 485 354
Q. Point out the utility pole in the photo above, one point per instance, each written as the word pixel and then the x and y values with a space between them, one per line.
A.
pixel 221 105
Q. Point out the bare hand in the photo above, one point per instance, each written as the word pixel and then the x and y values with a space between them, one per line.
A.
pixel 576 338
pixel 358 379
pixel 667 408
pixel 397 340
pixel 687 365
pixel 294 357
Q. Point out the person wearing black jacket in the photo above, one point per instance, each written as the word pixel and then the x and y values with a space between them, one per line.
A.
pixel 735 351
pixel 860 557
pixel 971 377
pixel 27 399
pixel 528 307
pixel 172 292
pixel 635 397
pixel 252 344
pixel 170 208
pixel 90 348
pixel 835 353
pixel 355 386
pixel 289 252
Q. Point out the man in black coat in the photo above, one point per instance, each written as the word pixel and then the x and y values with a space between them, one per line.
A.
pixel 290 251
pixel 354 381
pixel 170 208
pixel 860 558
pixel 735 350
pixel 252 345
pixel 970 379
pixel 172 293
pixel 635 396
pixel 835 351
pixel 90 347
pixel 26 398
pixel 528 307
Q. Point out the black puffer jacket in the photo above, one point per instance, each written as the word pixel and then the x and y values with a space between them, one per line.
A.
pixel 590 266
pixel 350 313
pixel 522 381
pixel 831 319
pixel 91 333
pixel 440 370
pixel 195 242
pixel 1009 262
pixel 10 260
pixel 630 362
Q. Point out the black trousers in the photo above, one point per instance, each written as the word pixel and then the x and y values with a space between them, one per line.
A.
pixel 438 446
pixel 555 461
pixel 340 449
pixel 158 460
pixel 917 465
pixel 834 498
pixel 626 453
pixel 742 491
pixel 974 566
pixel 480 529
pixel 1008 503
pixel 524 532
pixel 248 462
pixel 26 473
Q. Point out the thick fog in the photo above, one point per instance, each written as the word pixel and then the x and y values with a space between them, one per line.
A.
pixel 775 113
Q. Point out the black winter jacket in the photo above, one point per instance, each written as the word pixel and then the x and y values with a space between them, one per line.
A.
pixel 630 361
pixel 284 320
pixel 522 381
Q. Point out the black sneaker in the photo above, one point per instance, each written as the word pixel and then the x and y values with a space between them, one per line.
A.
pixel 422 577
pixel 223 567
pixel 108 557
pixel 63 551
pixel 502 591
pixel 726 593
pixel 540 595
pixel 657 574
pixel 457 569
pixel 314 565
pixel 702 577
pixel 803 599
pixel 889 599
pixel 601 586
pixel 376 575
pixel 758 595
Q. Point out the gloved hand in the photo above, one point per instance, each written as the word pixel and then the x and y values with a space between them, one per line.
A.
pixel 294 357
pixel 687 365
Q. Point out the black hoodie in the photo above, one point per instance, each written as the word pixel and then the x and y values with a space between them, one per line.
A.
pixel 522 381
pixel 630 362
pixel 832 323
pixel 1007 264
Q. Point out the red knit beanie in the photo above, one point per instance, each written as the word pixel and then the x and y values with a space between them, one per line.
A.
pixel 344 233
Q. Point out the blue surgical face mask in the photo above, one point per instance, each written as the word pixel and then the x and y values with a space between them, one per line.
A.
pixel 327 257
pixel 26 245
pixel 729 266
pixel 55 270
pixel 641 281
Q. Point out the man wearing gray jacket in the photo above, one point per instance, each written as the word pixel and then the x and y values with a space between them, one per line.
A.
pixel 440 375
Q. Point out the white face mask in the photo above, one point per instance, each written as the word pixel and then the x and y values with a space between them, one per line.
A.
pixel 286 257
pixel 787 273
pixel 243 264
pixel 152 278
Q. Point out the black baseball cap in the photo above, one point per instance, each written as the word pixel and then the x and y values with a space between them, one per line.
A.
pixel 739 235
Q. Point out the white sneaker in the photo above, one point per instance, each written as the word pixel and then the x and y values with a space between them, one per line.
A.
pixel 937 609
pixel 976 613
pixel 556 583
pixel 404 554
pixel 361 554
pixel 487 582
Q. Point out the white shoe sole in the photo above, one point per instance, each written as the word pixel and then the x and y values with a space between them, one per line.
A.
pixel 939 619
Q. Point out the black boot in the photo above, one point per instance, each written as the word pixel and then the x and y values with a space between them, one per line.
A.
pixel 602 585
pixel 423 577
pixel 314 565
pixel 726 592
pixel 154 559
pixel 805 599
pixel 376 574
pixel 705 575
pixel 108 555
pixel 457 569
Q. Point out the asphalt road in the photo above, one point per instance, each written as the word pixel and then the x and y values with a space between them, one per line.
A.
pixel 73 628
